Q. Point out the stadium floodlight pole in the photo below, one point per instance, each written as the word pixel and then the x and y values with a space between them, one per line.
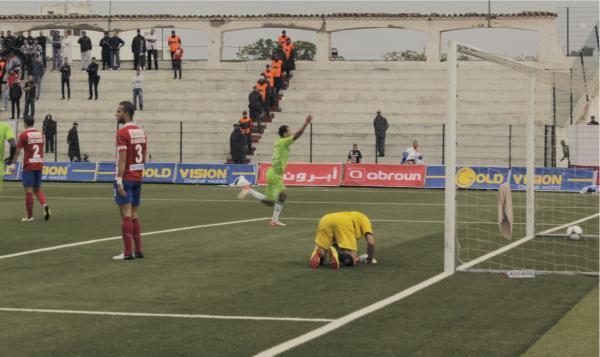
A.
pixel 530 160
pixel 450 162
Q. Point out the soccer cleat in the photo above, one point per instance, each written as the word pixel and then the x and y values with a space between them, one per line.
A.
pixel 46 212
pixel 334 259
pixel 139 255
pixel 277 224
pixel 316 258
pixel 123 257
pixel 241 181
pixel 27 219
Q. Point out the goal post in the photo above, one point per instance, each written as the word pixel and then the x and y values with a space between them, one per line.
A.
pixel 495 109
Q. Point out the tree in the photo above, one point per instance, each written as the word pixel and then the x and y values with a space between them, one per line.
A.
pixel 406 55
pixel 263 48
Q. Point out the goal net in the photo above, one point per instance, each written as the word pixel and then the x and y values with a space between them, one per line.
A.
pixel 507 208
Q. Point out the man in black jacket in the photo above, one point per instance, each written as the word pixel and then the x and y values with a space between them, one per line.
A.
pixel 104 44
pixel 30 93
pixel 255 106
pixel 10 41
pixel 85 45
pixel 237 145
pixel 138 47
pixel 381 126
pixel 115 43
pixel 73 141
pixel 42 41
pixel 56 46
pixel 93 78
pixel 65 78
pixel 49 130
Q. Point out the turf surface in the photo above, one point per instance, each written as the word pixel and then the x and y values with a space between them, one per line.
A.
pixel 250 269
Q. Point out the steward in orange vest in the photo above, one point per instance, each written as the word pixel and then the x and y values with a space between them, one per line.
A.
pixel 246 128
pixel 290 52
pixel 283 38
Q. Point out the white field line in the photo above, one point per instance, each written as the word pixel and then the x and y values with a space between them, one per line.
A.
pixel 176 316
pixel 145 234
pixel 517 243
pixel 344 320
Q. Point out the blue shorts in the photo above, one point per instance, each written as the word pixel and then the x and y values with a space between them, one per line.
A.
pixel 133 189
pixel 32 178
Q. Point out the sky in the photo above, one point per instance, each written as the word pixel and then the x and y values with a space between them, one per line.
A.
pixel 362 44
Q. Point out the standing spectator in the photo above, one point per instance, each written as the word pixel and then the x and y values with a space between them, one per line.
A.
pixel 10 41
pixel 381 126
pixel 30 92
pixel 174 42
pixel 237 145
pixel 289 49
pixel 282 40
pixel 105 45
pixel 177 58
pixel 73 141
pixel 276 65
pixel 93 78
pixel 152 43
pixel 13 64
pixel 29 39
pixel 138 47
pixel 49 130
pixel 56 45
pixel 115 43
pixel 246 128
pixel 85 46
pixel 2 37
pixel 15 93
pixel 21 40
pixel 26 64
pixel 261 85
pixel 593 121
pixel 43 41
pixel 65 78
pixel 38 74
pixel 138 89
pixel 3 87
pixel 269 76
pixel 354 156
pixel 565 150
pixel 255 106
pixel 65 48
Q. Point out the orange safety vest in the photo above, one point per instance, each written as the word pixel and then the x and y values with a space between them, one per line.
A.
pixel 270 77
pixel 246 122
pixel 287 49
pixel 2 68
pixel 276 68
pixel 282 39
pixel 262 88
pixel 174 42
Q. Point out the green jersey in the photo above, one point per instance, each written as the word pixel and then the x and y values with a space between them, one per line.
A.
pixel 6 134
pixel 281 153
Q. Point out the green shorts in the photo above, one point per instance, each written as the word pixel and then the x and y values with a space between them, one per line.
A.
pixel 274 185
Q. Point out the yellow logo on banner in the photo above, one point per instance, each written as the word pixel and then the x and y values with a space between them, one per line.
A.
pixel 465 177
pixel 155 172
pixel 55 170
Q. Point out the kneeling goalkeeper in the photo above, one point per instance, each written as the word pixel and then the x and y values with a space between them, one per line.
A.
pixel 337 234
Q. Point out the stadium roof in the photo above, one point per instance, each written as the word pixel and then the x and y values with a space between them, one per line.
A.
pixel 341 15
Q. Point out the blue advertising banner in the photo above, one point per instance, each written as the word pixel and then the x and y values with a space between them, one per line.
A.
pixel 12 172
pixel 486 178
pixel 82 171
pixel 208 174
pixel 105 172
pixel 158 172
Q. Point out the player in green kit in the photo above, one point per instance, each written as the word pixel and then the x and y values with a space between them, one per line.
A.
pixel 6 134
pixel 276 195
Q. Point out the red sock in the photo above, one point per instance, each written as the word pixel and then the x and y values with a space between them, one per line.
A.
pixel 41 196
pixel 137 234
pixel 126 231
pixel 29 204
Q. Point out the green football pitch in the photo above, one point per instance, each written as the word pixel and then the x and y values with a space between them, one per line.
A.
pixel 216 280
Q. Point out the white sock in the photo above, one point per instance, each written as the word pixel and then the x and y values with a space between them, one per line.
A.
pixel 277 211
pixel 259 196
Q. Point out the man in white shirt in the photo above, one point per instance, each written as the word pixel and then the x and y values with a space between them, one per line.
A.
pixel 138 88
pixel 152 48
pixel 65 48
pixel 413 155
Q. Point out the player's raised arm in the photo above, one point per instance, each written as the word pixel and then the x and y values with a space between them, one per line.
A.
pixel 301 131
